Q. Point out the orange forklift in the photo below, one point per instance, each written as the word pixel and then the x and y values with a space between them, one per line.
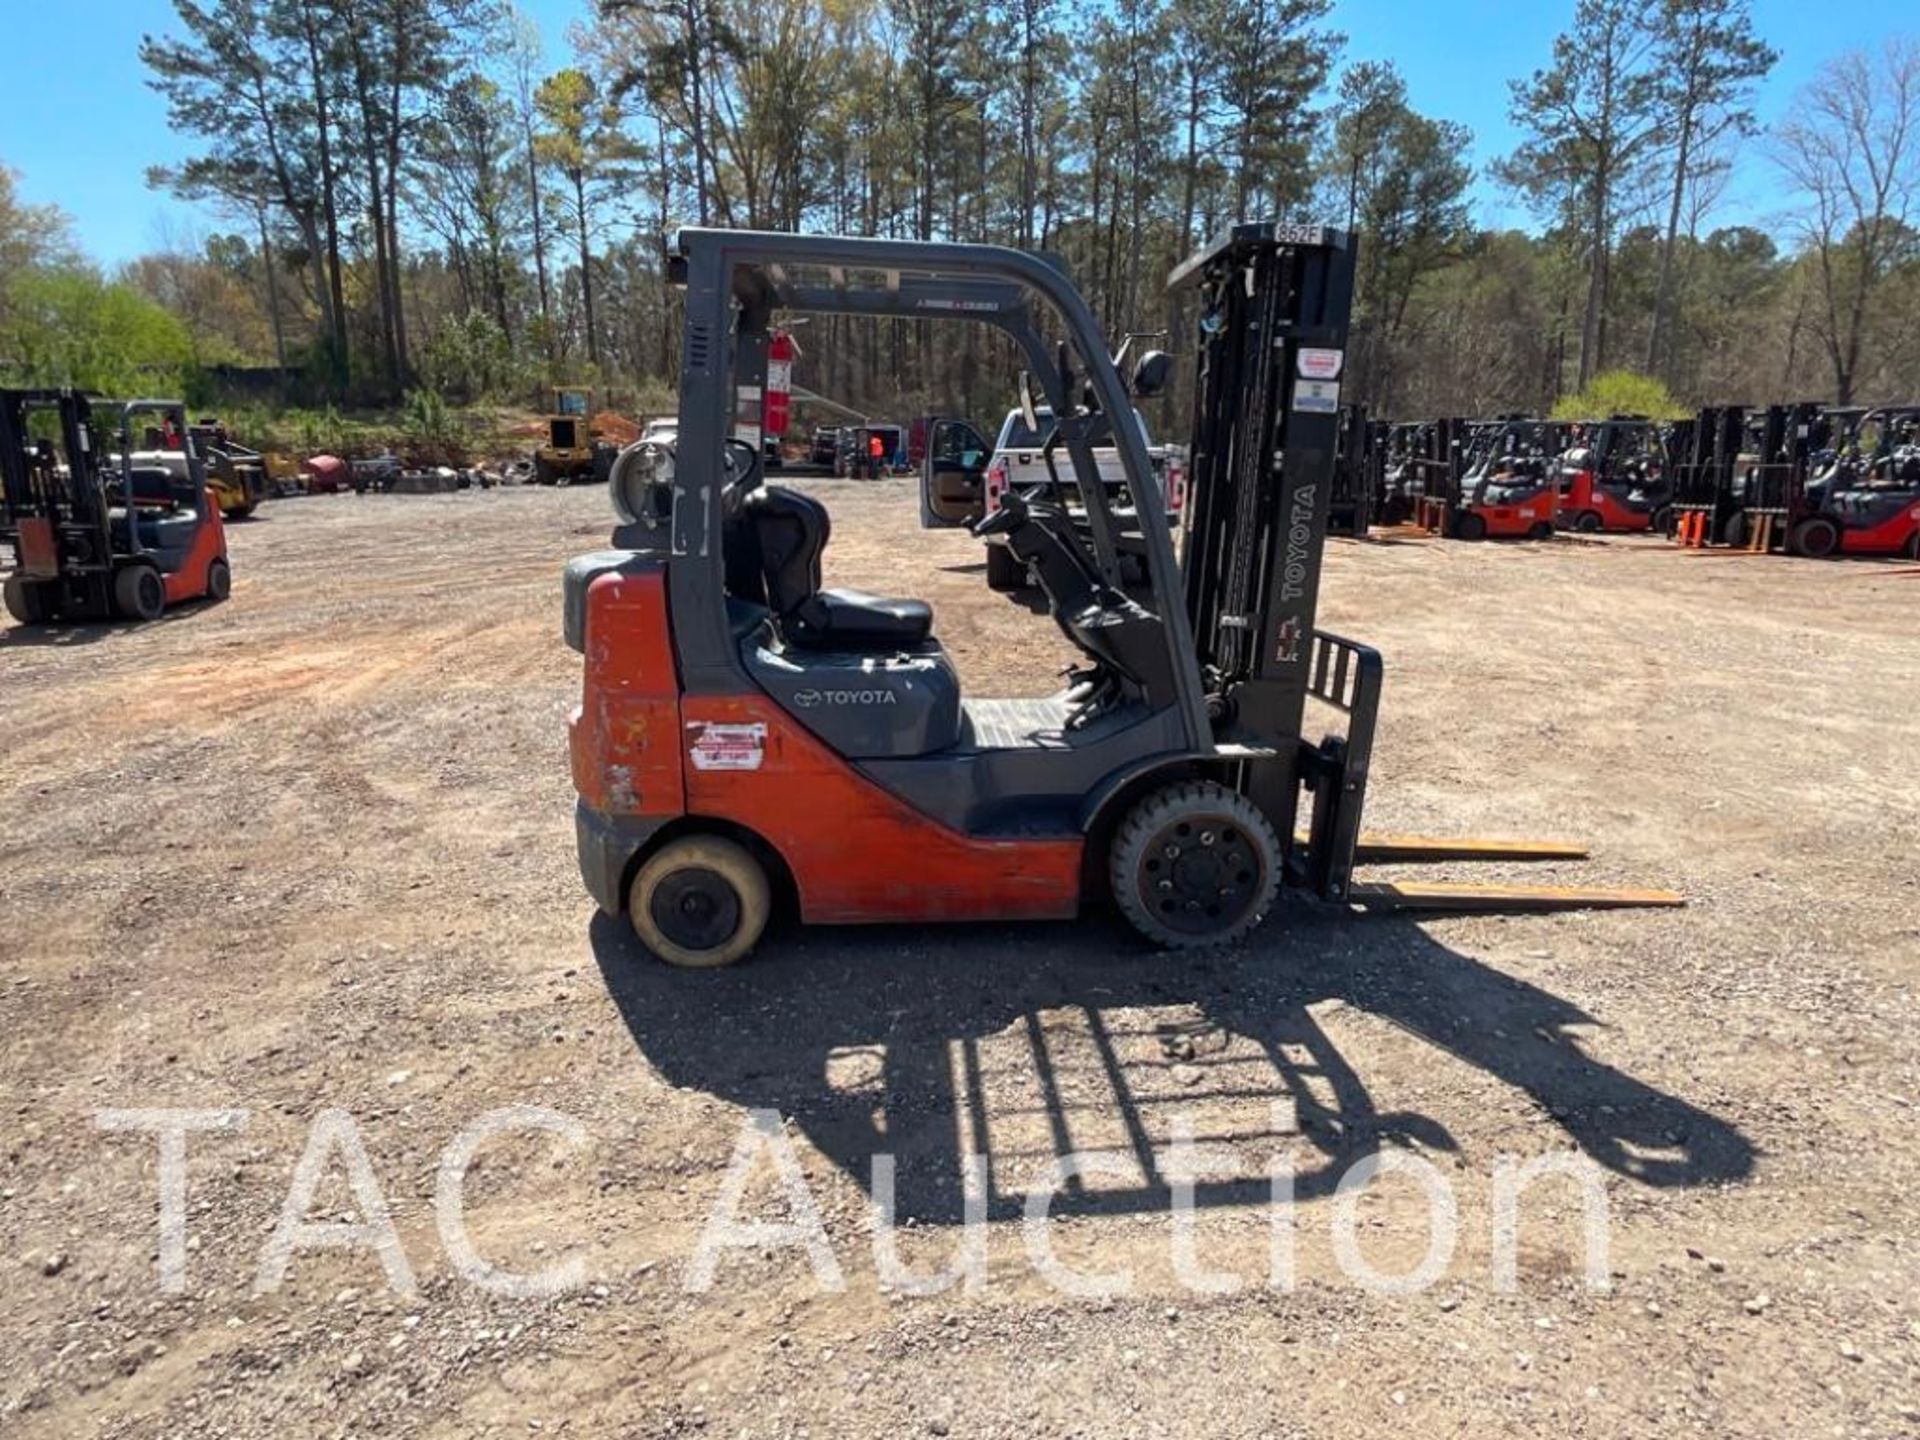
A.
pixel 1491 480
pixel 748 733
pixel 94 534
pixel 1614 478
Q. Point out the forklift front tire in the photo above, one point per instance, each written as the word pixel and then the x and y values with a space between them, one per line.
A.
pixel 27 601
pixel 1194 864
pixel 1542 530
pixel 700 902
pixel 1816 537
pixel 1469 526
pixel 219 580
pixel 139 593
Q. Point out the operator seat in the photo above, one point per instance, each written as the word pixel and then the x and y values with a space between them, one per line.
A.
pixel 791 531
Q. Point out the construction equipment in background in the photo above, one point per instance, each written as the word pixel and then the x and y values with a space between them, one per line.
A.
pixel 1359 473
pixel 573 450
pixel 96 533
pixel 238 475
pixel 743 729
pixel 1613 477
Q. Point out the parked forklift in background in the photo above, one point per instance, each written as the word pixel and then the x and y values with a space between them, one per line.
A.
pixel 1613 478
pixel 1359 473
pixel 1865 500
pixel 745 731
pixel 95 533
pixel 573 451
pixel 1492 480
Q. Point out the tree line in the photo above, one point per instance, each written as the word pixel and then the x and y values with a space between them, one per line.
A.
pixel 418 197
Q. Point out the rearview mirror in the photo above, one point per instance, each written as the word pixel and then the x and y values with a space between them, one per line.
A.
pixel 1150 375
pixel 1026 403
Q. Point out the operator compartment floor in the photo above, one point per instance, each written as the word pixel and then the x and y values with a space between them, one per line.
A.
pixel 1014 724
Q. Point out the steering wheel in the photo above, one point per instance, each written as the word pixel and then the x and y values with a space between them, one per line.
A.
pixel 1012 514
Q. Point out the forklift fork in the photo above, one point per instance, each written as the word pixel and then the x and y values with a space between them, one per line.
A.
pixel 1346 677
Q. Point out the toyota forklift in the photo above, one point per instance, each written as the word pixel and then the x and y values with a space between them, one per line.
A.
pixel 746 731
pixel 1613 478
pixel 96 534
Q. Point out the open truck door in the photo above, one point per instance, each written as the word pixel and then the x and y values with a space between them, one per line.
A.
pixel 952 475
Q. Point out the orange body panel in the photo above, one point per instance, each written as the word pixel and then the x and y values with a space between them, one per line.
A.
pixel 1891 536
pixel 858 853
pixel 189 582
pixel 1582 495
pixel 624 739
pixel 1505 522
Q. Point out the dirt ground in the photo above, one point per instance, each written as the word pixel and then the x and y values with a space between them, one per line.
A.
pixel 312 851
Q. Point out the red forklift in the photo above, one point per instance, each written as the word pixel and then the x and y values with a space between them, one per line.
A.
pixel 1493 480
pixel 746 733
pixel 1865 499
pixel 94 534
pixel 1613 478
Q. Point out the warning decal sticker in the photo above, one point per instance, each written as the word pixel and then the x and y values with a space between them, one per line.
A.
pixel 727 747
pixel 1321 364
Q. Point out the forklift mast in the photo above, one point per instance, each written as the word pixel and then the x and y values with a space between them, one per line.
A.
pixel 1275 302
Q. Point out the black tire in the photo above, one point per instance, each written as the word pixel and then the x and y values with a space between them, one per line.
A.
pixel 1542 530
pixel 1815 537
pixel 1734 533
pixel 28 601
pixel 1005 570
pixel 1469 526
pixel 1588 522
pixel 1662 521
pixel 1913 546
pixel 543 472
pixel 241 512
pixel 1194 864
pixel 700 902
pixel 219 579
pixel 139 593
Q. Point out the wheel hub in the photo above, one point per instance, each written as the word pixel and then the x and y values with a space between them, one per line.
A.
pixel 696 908
pixel 1199 875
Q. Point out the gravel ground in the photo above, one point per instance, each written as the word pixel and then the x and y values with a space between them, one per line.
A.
pixel 311 851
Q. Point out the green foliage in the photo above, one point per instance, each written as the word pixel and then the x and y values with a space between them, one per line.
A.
pixel 1620 392
pixel 67 326
pixel 469 359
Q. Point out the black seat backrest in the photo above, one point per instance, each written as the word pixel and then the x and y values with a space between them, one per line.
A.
pixel 791 531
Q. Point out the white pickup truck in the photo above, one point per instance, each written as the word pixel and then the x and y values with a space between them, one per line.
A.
pixel 962 480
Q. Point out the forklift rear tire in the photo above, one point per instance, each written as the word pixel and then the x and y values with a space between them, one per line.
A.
pixel 219 580
pixel 700 902
pixel 1588 522
pixel 1469 526
pixel 1005 570
pixel 139 593
pixel 1194 864
pixel 1815 537
pixel 27 601
pixel 1913 546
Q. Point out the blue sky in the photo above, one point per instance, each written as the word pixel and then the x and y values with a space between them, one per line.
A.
pixel 86 145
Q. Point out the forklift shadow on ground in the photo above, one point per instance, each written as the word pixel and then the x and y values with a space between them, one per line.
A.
pixel 68 633
pixel 1025 1043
